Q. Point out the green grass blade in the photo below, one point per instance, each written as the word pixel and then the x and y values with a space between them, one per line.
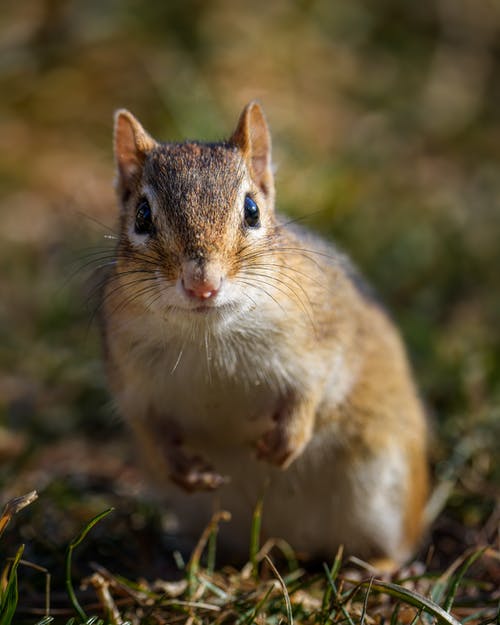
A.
pixel 365 603
pixel 212 550
pixel 415 599
pixel 289 554
pixel 395 614
pixel 438 589
pixel 332 576
pixel 254 612
pixel 255 536
pixel 458 577
pixel 10 596
pixel 331 582
pixel 74 543
pixel 221 594
pixel 416 617
pixel 69 584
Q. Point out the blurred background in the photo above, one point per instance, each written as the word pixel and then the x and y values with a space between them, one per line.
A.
pixel 385 120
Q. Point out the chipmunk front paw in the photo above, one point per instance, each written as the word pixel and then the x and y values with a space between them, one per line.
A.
pixel 194 474
pixel 273 447
pixel 277 447
pixel 292 430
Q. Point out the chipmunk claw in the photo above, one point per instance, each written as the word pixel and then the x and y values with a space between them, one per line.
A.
pixel 274 447
pixel 196 475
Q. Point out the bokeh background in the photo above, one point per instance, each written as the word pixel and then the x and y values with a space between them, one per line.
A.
pixel 385 119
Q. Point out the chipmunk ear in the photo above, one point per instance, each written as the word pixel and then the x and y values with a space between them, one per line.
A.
pixel 253 138
pixel 131 145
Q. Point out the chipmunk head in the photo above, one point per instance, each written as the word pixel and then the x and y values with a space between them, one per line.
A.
pixel 194 215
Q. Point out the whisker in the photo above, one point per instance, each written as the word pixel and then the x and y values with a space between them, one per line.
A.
pixel 152 301
pixel 75 272
pixel 284 271
pixel 96 221
pixel 276 251
pixel 126 301
pixel 305 250
pixel 273 243
pixel 207 354
pixel 181 351
pixel 306 309
pixel 251 299
pixel 115 277
pixel 94 260
pixel 251 283
pixel 250 271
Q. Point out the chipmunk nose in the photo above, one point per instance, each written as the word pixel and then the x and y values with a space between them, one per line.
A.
pixel 201 280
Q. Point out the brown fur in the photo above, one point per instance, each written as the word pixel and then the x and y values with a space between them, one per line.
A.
pixel 299 369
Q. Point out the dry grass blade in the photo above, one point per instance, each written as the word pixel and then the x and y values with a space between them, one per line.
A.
pixel 194 561
pixel 286 596
pixel 101 586
pixel 46 572
pixel 365 603
pixel 251 568
pixel 14 506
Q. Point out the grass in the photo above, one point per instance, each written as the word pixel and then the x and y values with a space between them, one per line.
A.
pixel 346 592
pixel 385 120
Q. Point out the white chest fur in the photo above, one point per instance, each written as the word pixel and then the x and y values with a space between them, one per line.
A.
pixel 222 384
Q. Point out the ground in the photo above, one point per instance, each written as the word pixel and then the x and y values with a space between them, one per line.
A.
pixel 386 130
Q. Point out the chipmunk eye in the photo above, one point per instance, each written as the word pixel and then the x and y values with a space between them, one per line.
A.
pixel 144 218
pixel 252 215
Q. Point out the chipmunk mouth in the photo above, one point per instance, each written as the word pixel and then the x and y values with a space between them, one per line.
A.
pixel 201 315
pixel 214 311
pixel 203 309
pixel 213 308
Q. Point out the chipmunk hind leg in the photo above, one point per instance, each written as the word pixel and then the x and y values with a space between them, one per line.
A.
pixel 381 487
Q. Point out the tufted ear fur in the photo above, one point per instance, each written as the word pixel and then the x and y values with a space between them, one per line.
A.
pixel 253 138
pixel 131 145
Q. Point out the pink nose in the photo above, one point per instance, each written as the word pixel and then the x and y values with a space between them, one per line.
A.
pixel 201 290
pixel 201 281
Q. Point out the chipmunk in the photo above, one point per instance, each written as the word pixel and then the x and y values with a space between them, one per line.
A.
pixel 249 360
